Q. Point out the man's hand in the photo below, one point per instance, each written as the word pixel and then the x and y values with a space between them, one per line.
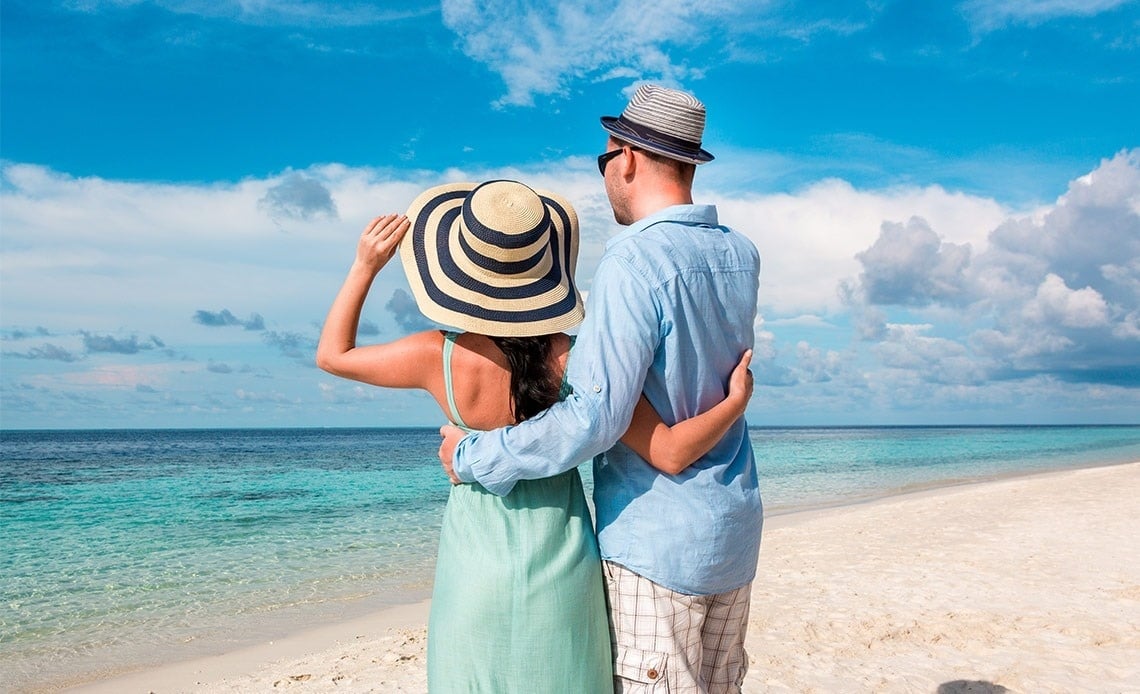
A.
pixel 451 436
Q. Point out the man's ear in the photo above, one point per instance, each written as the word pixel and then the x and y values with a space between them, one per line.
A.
pixel 628 163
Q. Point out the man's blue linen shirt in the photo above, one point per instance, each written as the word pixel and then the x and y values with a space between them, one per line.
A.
pixel 670 311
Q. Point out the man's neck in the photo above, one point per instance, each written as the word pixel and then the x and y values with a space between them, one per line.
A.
pixel 654 201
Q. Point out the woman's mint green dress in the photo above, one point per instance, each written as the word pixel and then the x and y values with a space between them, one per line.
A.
pixel 518 604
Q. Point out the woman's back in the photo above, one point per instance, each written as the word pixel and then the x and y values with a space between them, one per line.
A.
pixel 481 380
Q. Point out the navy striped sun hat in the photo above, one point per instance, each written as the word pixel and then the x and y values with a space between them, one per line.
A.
pixel 666 121
pixel 495 258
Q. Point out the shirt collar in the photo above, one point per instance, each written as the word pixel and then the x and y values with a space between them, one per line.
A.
pixel 680 214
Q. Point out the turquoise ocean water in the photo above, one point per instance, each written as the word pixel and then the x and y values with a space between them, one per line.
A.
pixel 128 548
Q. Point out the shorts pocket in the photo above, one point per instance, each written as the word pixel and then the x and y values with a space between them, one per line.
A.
pixel 637 671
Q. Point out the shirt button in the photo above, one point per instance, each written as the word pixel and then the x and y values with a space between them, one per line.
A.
pixel 597 389
pixel 652 674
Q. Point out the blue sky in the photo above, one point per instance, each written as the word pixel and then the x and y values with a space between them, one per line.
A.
pixel 946 196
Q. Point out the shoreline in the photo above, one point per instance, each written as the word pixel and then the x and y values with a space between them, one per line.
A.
pixel 386 649
pixel 934 486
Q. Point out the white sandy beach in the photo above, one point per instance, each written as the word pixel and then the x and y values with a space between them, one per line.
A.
pixel 1026 585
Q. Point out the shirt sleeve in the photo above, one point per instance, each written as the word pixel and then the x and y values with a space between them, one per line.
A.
pixel 614 350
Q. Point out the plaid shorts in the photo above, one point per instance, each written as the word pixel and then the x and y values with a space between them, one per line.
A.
pixel 666 641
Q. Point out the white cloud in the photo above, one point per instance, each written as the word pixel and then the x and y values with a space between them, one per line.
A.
pixel 346 392
pixel 298 197
pixel 536 47
pixel 310 13
pixel 931 359
pixel 271 397
pixel 1055 291
pixel 809 239
pixel 987 15
pixel 98 254
pixel 171 278
pixel 816 365
pixel 540 47
pixel 1056 303
pixel 909 264
pixel 802 321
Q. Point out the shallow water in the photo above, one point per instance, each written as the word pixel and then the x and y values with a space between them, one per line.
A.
pixel 135 547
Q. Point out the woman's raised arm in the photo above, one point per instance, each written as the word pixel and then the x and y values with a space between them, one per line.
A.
pixel 404 363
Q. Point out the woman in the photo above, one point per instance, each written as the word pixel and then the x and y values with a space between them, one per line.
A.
pixel 518 602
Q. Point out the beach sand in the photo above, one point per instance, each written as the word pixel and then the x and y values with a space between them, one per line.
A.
pixel 1028 585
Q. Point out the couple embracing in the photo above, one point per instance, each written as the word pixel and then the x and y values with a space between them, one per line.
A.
pixel 653 390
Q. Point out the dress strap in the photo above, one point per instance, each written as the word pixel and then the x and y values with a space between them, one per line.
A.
pixel 448 346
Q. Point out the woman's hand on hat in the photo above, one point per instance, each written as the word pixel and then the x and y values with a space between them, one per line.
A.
pixel 379 241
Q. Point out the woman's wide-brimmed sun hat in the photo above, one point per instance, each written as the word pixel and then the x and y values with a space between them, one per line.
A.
pixel 495 258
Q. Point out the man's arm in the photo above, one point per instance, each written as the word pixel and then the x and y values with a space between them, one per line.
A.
pixel 613 352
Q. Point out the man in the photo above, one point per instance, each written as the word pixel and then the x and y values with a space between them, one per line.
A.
pixel 671 310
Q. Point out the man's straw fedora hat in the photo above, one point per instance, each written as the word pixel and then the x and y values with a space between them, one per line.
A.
pixel 666 121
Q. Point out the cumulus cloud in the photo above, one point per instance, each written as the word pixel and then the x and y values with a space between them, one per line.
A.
pixel 46 351
pixel 934 359
pixel 124 256
pixel 298 197
pixel 1055 292
pixel 367 328
pixel 344 393
pixel 1089 238
pixel 293 345
pixel 403 308
pixel 811 237
pixel 909 264
pixel 115 345
pixel 1070 276
pixel 816 365
pixel 872 298
pixel 1055 303
pixel 20 334
pixel 85 343
pixel 225 318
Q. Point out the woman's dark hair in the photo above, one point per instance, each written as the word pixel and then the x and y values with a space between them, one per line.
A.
pixel 534 387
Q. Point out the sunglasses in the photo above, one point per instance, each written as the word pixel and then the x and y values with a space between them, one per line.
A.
pixel 604 159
